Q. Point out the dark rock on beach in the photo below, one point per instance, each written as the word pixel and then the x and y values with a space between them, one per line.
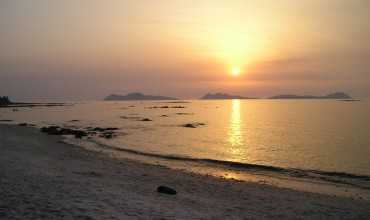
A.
pixel 146 119
pixel 166 190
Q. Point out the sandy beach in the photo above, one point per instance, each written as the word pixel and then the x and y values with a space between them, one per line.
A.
pixel 43 178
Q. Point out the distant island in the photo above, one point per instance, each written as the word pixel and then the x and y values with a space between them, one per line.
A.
pixel 337 95
pixel 223 96
pixel 4 100
pixel 136 96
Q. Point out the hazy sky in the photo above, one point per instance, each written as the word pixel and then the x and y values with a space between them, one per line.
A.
pixel 87 49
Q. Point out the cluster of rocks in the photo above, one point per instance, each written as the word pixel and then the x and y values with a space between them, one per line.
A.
pixel 56 130
pixel 107 133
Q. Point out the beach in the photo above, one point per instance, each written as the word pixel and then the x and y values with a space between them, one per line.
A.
pixel 41 177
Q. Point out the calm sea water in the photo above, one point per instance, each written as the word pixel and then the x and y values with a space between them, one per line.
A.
pixel 325 135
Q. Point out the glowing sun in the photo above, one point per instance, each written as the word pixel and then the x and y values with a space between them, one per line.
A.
pixel 235 71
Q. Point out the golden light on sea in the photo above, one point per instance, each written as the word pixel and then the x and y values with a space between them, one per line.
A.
pixel 235 131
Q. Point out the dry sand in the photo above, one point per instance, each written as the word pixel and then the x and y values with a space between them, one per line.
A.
pixel 43 178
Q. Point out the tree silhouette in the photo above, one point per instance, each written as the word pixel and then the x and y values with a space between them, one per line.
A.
pixel 4 100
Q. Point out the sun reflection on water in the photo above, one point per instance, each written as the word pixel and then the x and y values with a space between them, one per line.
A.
pixel 235 137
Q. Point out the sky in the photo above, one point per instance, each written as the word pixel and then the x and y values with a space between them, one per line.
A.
pixel 87 49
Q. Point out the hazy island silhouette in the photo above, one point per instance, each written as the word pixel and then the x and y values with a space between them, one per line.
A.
pixel 336 95
pixel 136 96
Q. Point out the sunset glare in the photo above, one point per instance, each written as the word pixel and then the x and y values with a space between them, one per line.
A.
pixel 235 71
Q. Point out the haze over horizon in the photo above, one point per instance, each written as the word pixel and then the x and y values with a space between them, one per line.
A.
pixel 79 49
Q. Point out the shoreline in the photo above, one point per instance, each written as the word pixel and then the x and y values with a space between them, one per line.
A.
pixel 316 181
pixel 42 177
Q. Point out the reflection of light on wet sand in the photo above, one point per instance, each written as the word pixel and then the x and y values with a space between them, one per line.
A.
pixel 235 134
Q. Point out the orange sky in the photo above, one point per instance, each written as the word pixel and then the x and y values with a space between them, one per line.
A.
pixel 183 48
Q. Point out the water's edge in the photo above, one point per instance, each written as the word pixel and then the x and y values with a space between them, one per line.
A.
pixel 353 180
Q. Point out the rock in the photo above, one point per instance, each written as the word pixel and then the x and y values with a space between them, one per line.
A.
pixel 184 113
pixel 130 117
pixel 107 135
pixel 193 125
pixel 98 129
pixel 51 130
pixel 111 129
pixel 145 119
pixel 166 190
pixel 79 134
pixel 23 124
pixel 189 126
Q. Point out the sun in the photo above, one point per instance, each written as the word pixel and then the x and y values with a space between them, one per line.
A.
pixel 235 71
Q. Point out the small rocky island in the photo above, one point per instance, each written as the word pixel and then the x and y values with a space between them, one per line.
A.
pixel 336 95
pixel 136 96
pixel 210 96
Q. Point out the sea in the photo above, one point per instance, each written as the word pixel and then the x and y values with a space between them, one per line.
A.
pixel 329 139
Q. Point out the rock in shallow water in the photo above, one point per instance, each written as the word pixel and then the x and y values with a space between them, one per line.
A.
pixel 193 125
pixel 166 190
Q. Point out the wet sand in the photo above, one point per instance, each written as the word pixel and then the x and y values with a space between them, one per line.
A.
pixel 43 178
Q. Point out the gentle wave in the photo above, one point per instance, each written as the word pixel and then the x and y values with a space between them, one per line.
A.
pixel 361 181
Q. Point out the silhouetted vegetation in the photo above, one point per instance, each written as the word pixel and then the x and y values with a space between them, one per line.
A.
pixel 4 100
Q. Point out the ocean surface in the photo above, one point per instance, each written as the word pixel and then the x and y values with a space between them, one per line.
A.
pixel 321 135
